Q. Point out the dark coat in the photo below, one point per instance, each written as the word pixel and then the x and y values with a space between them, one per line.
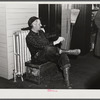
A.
pixel 38 44
pixel 97 44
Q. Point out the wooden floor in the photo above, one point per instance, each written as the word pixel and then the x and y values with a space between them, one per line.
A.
pixel 84 74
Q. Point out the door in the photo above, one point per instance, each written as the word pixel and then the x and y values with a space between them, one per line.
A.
pixel 82 29
pixel 50 15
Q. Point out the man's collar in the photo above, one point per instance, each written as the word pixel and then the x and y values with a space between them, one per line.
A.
pixel 34 33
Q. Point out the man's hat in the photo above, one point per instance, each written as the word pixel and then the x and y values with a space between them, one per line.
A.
pixel 31 20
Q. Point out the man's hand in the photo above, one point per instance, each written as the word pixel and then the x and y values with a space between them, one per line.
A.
pixel 60 39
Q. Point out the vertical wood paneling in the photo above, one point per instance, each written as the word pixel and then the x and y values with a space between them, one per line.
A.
pixel 3 42
pixel 17 17
pixel 13 17
pixel 65 29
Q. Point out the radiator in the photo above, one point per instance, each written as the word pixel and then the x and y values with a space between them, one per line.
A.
pixel 21 53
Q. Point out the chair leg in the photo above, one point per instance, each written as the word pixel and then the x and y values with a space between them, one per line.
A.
pixel 14 75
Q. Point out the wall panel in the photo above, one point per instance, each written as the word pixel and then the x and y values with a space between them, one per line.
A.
pixel 3 42
pixel 17 16
pixel 13 17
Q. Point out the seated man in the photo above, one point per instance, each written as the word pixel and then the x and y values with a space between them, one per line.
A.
pixel 43 51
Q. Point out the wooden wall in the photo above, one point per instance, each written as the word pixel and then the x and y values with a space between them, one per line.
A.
pixel 15 17
pixel 65 25
pixel 3 43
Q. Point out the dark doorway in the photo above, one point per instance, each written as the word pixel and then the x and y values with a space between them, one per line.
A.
pixel 82 28
pixel 50 15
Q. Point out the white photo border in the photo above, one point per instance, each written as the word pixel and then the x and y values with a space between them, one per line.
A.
pixel 53 93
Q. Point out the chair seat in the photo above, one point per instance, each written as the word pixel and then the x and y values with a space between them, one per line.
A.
pixel 38 73
pixel 29 64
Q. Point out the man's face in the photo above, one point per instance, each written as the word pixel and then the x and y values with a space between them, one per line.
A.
pixel 37 24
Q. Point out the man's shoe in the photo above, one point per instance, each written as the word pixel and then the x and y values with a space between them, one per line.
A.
pixel 72 52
